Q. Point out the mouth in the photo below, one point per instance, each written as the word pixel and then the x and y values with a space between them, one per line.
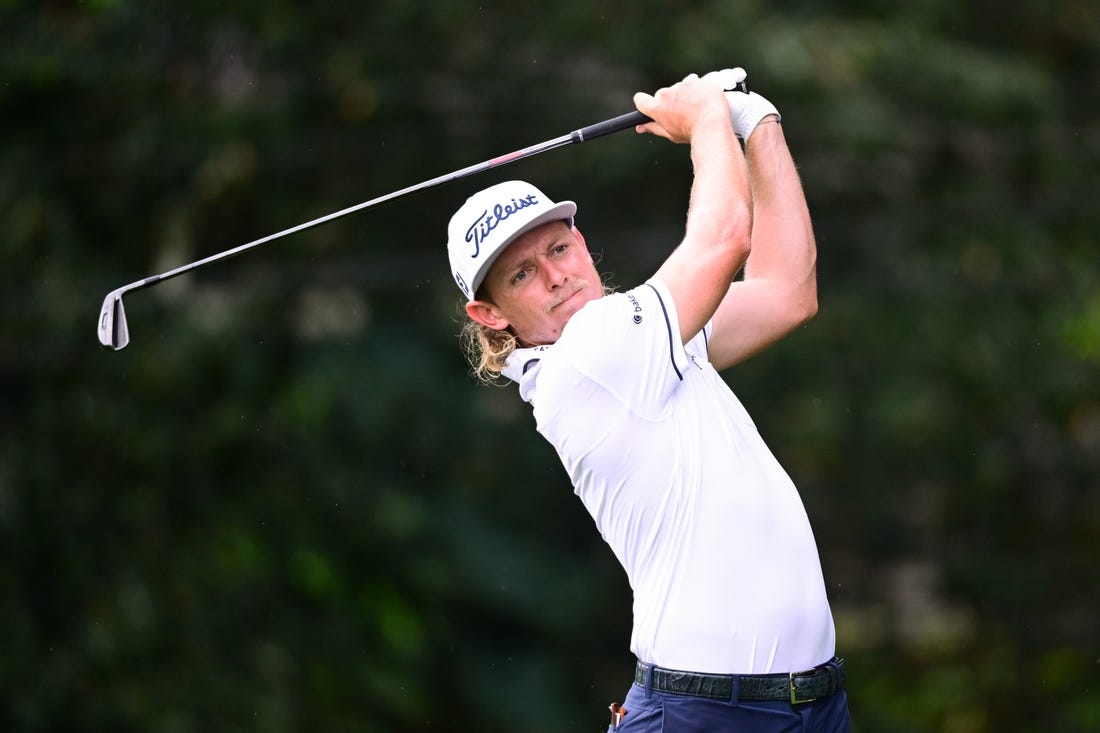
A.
pixel 565 298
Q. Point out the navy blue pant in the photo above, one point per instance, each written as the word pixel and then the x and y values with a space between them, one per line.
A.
pixel 663 712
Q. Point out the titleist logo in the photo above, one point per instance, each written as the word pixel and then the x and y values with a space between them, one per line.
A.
pixel 488 221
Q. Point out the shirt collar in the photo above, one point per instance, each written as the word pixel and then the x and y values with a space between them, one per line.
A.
pixel 523 360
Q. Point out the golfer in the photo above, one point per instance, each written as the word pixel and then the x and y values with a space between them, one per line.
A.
pixel 732 626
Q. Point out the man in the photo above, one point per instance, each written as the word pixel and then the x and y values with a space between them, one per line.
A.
pixel 732 627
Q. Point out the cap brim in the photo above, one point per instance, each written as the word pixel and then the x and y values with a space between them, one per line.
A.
pixel 561 211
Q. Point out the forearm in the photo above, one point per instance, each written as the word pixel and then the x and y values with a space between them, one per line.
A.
pixel 720 210
pixel 719 224
pixel 779 290
pixel 719 221
pixel 783 247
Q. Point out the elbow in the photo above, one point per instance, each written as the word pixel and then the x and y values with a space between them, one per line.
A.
pixel 797 312
pixel 805 303
pixel 720 243
pixel 806 292
pixel 800 303
pixel 738 237
pixel 809 305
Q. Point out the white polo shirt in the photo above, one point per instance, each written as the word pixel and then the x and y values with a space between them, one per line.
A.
pixel 708 526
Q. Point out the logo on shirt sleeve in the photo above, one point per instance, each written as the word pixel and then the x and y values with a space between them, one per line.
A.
pixel 637 307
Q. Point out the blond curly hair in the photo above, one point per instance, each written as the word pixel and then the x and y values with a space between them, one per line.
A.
pixel 486 349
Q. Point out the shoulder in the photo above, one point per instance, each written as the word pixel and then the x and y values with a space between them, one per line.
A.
pixel 622 314
pixel 627 342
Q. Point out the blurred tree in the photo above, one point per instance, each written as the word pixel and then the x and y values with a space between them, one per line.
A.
pixel 286 507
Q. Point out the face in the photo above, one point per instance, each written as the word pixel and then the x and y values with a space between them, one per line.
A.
pixel 537 284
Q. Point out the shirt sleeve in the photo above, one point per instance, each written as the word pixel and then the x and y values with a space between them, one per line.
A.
pixel 630 344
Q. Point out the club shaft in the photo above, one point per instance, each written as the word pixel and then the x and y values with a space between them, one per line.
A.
pixel 114 332
pixel 584 134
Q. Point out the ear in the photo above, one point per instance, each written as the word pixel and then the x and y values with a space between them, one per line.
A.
pixel 487 314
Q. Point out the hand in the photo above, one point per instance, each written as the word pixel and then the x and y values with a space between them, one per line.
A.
pixel 746 110
pixel 678 110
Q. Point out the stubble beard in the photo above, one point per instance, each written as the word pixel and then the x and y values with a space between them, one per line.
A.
pixel 578 286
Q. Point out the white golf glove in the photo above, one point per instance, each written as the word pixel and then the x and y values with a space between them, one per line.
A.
pixel 746 110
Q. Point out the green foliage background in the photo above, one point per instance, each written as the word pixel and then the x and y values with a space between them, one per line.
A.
pixel 286 506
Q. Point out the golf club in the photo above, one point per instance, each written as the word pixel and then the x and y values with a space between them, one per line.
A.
pixel 115 334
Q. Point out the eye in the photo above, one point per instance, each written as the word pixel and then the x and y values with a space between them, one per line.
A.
pixel 519 277
pixel 561 248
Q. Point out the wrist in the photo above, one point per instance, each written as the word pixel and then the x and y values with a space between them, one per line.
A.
pixel 712 122
pixel 712 132
pixel 764 128
pixel 749 110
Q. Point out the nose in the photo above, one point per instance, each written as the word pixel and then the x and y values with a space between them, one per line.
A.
pixel 555 276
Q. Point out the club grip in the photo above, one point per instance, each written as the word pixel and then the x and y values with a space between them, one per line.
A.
pixel 628 121
pixel 622 122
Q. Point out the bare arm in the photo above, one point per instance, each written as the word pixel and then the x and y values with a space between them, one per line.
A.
pixel 719 221
pixel 779 290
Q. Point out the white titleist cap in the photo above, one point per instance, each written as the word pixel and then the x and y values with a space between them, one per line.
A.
pixel 492 219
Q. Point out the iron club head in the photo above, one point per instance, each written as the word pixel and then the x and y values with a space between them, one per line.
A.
pixel 113 332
